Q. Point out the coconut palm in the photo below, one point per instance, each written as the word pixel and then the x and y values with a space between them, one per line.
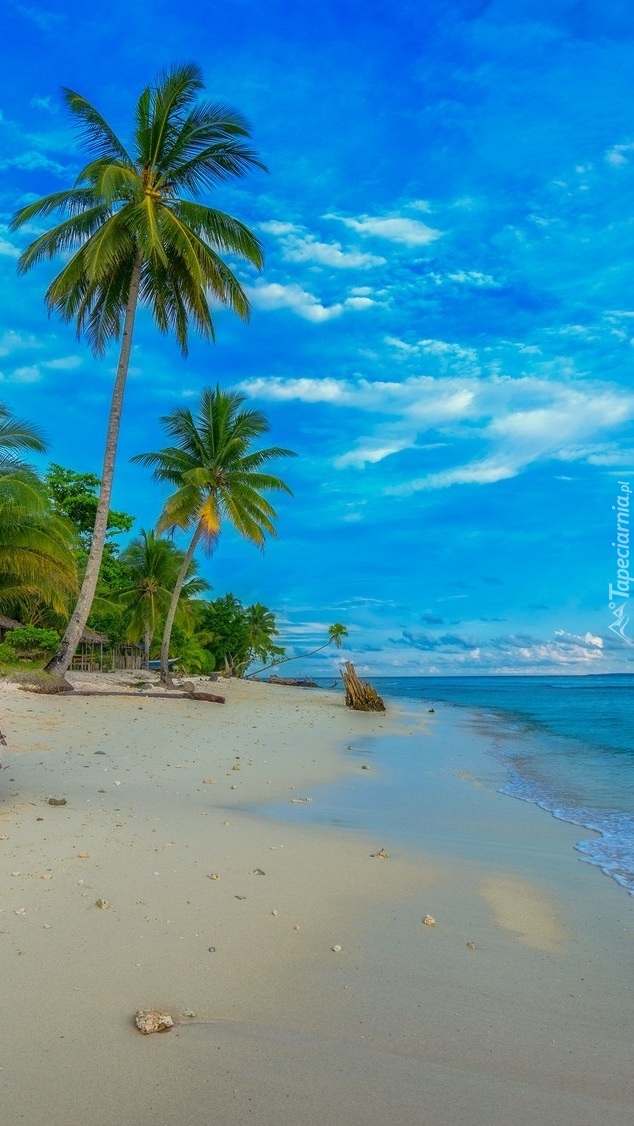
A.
pixel 134 236
pixel 152 565
pixel 218 476
pixel 37 560
pixel 336 634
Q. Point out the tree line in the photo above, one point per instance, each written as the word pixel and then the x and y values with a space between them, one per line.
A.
pixel 46 529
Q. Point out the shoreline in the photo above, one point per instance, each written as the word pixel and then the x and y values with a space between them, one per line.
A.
pixel 518 992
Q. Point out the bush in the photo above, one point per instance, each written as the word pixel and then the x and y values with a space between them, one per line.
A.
pixel 30 642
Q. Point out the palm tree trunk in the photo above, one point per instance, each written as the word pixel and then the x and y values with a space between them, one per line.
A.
pixel 171 613
pixel 60 663
pixel 146 648
pixel 283 660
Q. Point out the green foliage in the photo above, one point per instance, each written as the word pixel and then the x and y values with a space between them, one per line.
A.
pixel 31 642
pixel 38 568
pixel 75 495
pixel 236 635
pixel 129 208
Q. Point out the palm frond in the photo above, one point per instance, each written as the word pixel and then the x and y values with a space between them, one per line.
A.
pixel 95 132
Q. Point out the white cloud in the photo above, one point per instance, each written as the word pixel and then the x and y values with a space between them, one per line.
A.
pixel 516 422
pixel 300 246
pixel 398 228
pixel 33 160
pixel 11 341
pixel 273 295
pixel 619 154
pixel 64 363
pixel 22 375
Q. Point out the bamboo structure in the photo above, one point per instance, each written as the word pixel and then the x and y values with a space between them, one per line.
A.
pixel 359 694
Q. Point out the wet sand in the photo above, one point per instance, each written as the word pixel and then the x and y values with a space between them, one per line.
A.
pixel 515 1007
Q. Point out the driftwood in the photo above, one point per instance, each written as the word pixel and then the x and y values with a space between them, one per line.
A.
pixel 359 694
pixel 209 697
pixel 293 682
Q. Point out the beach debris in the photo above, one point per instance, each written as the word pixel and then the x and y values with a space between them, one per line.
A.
pixel 336 949
pixel 234 787
pixel 20 911
pixel 471 946
pixel 364 766
pixel 188 1013
pixel 300 801
pixel 57 801
pixel 102 904
pixel 382 854
pixel 153 1020
pixel 3 740
pixel 235 767
pixel 209 781
pixel 258 872
pixel 83 855
pixel 239 897
pixel 429 921
pixel 275 912
pixel 211 949
pixel 297 927
pixel 213 876
pixel 359 694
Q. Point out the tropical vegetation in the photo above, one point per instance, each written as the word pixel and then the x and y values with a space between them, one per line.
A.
pixel 132 232
pixel 218 476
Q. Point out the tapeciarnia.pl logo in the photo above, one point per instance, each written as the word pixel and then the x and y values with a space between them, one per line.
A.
pixel 619 593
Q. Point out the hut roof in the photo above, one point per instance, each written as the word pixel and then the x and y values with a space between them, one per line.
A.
pixel 91 637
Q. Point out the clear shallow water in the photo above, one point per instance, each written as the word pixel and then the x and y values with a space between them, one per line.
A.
pixel 566 743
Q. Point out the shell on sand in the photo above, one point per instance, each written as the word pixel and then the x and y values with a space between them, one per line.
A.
pixel 429 921
pixel 152 1020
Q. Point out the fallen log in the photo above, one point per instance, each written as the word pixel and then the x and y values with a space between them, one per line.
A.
pixel 359 694
pixel 208 697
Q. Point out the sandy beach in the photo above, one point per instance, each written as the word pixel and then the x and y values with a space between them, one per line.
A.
pixel 163 882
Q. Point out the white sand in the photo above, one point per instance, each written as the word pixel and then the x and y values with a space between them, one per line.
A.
pixel 531 1022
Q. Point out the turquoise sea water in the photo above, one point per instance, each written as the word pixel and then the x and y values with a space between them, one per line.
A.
pixel 566 743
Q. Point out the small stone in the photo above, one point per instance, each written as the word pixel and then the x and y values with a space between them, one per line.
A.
pixel 258 872
pixel 382 854
pixel 364 767
pixel 213 876
pixel 57 801
pixel 153 1020
pixel 211 949
pixel 234 787
pixel 336 949
pixel 235 767
pixel 471 946
pixel 429 921
pixel 102 904
pixel 239 897
pixel 188 1013
pixel 297 927
pixel 275 912
pixel 83 855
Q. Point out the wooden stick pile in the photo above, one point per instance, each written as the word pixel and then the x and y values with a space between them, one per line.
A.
pixel 359 694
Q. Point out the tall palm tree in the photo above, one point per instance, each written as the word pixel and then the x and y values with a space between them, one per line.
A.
pixel 37 558
pixel 218 476
pixel 336 634
pixel 153 564
pixel 135 237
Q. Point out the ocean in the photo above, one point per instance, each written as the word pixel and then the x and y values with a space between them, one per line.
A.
pixel 565 743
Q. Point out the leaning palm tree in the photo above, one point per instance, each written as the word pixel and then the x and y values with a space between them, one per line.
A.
pixel 218 476
pixel 134 236
pixel 336 634
pixel 152 565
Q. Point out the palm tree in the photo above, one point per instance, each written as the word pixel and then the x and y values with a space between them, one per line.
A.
pixel 218 475
pixel 135 237
pixel 37 558
pixel 152 565
pixel 336 634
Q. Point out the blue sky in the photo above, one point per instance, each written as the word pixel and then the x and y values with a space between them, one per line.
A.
pixel 443 331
